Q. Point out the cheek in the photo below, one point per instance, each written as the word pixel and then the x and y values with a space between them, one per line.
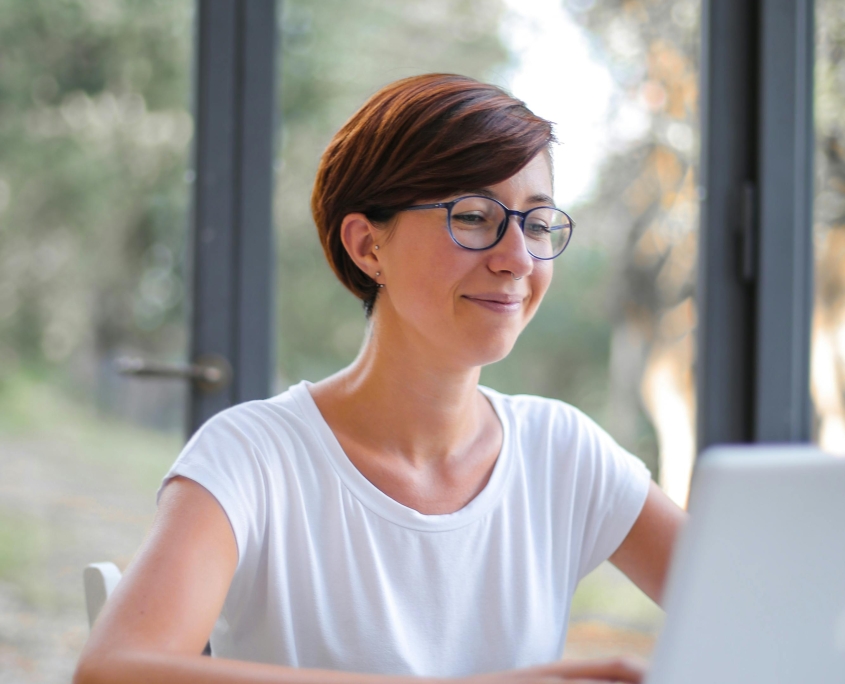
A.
pixel 425 270
pixel 541 280
pixel 546 271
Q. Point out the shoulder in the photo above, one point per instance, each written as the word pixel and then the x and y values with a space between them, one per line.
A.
pixel 253 446
pixel 562 441
pixel 535 416
pixel 260 425
pixel 249 457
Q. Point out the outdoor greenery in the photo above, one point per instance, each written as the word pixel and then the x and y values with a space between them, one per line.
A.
pixel 828 357
pixel 21 546
pixel 95 134
pixel 95 185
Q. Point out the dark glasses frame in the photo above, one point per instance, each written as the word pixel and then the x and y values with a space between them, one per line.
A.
pixel 521 215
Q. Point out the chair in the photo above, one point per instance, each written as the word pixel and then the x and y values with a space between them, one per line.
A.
pixel 100 579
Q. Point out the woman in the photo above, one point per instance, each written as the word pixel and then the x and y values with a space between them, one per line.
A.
pixel 396 519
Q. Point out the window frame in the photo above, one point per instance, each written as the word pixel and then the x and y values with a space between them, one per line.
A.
pixel 755 287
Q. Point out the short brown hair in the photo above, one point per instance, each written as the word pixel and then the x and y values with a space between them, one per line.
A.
pixel 420 138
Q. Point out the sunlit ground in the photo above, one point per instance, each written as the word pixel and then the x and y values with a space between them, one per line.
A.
pixel 75 488
pixel 611 617
pixel 78 488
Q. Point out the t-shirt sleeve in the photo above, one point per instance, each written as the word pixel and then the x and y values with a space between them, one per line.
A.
pixel 612 486
pixel 221 457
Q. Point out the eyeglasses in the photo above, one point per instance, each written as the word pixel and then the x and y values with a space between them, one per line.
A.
pixel 477 222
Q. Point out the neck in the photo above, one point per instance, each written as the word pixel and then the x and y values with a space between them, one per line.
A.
pixel 398 398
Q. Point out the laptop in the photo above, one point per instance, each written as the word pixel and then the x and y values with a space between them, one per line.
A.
pixel 756 591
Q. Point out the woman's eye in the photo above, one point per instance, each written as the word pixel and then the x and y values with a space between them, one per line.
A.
pixel 536 228
pixel 470 219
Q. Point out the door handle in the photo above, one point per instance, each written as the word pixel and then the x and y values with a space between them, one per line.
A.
pixel 209 372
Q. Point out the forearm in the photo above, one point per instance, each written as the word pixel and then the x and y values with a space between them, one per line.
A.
pixel 139 667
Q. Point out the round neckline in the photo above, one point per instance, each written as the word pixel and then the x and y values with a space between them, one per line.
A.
pixel 388 508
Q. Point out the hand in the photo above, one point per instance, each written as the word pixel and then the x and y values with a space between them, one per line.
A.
pixel 628 670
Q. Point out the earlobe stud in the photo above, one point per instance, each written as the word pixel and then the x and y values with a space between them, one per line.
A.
pixel 376 247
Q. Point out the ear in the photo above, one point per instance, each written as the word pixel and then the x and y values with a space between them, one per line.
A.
pixel 358 235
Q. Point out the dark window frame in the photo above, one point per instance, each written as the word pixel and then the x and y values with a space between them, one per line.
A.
pixel 755 246
pixel 231 239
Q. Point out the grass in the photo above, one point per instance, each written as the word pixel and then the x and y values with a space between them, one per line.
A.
pixel 32 406
pixel 40 537
pixel 23 548
pixel 21 545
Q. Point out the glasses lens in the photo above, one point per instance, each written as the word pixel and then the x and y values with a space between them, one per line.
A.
pixel 476 222
pixel 547 232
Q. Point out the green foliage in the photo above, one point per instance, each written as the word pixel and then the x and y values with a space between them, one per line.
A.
pixel 95 134
pixel 830 139
pixel 31 404
pixel 95 129
pixel 22 547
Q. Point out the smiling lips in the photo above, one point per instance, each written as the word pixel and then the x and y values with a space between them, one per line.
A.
pixel 497 301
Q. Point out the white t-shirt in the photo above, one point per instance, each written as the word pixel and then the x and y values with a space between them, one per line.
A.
pixel 333 573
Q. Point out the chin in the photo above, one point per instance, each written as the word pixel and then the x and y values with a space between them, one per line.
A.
pixel 493 349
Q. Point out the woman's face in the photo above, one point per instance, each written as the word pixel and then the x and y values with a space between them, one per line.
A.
pixel 467 307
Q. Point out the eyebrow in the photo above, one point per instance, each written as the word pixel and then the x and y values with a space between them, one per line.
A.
pixel 539 198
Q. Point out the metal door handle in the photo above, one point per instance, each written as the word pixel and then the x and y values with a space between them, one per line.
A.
pixel 210 372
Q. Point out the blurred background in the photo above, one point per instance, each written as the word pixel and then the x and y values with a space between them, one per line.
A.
pixel 96 131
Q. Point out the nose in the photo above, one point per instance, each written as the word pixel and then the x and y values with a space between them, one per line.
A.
pixel 510 254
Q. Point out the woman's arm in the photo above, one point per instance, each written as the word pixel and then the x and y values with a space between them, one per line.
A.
pixel 166 604
pixel 158 620
pixel 645 554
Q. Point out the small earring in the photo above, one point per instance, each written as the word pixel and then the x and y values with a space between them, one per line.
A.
pixel 376 247
pixel 379 285
pixel 378 273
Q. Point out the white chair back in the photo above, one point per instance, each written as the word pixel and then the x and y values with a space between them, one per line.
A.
pixel 100 579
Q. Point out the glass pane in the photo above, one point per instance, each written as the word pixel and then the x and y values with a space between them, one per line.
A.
pixel 95 133
pixel 616 326
pixel 615 334
pixel 827 370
